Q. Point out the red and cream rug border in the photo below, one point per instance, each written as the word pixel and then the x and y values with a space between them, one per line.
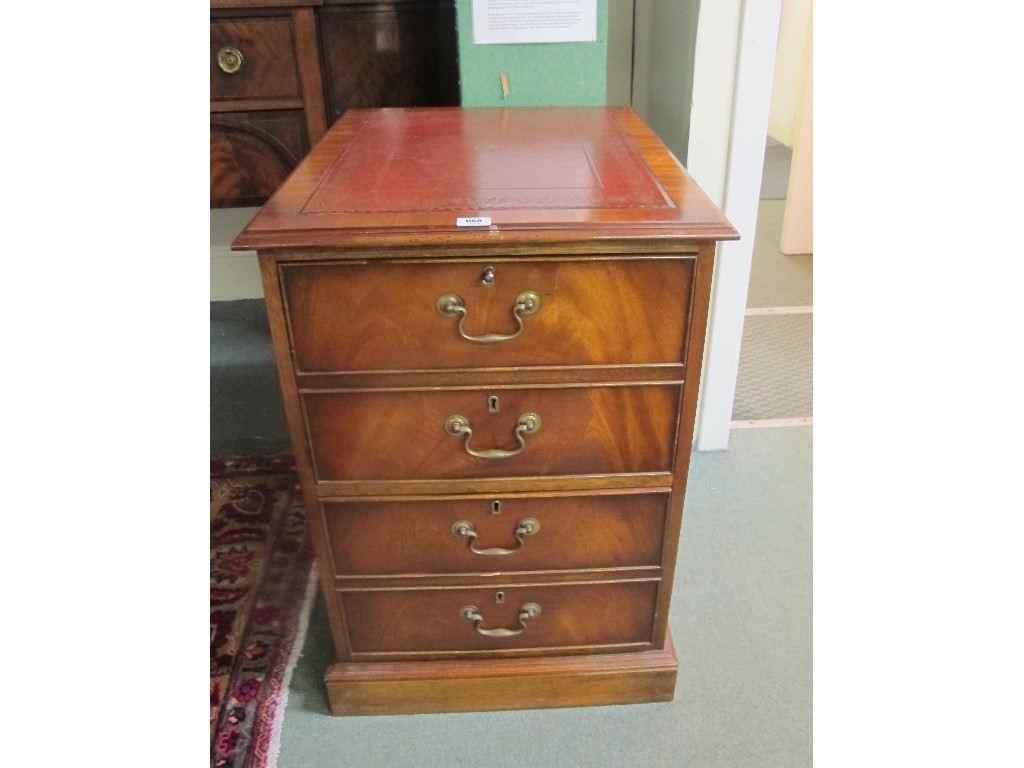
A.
pixel 262 585
pixel 268 746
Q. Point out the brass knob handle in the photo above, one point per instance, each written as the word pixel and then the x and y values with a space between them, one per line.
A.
pixel 452 305
pixel 463 529
pixel 459 425
pixel 229 60
pixel 526 611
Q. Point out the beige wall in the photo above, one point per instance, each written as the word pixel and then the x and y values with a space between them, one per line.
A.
pixel 798 217
pixel 794 32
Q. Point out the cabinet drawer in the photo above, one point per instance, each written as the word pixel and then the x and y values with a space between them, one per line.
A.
pixel 385 435
pixel 267 68
pixel 459 535
pixel 433 620
pixel 373 317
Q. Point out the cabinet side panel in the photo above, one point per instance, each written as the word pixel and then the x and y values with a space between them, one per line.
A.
pixel 698 321
pixel 293 413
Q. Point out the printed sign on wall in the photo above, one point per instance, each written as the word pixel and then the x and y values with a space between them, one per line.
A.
pixel 534 21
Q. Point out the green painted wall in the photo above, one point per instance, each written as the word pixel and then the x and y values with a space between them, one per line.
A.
pixel 665 44
pixel 539 74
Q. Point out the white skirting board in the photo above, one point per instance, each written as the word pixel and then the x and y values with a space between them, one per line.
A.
pixel 233 274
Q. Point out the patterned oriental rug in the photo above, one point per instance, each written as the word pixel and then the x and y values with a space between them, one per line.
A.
pixel 262 582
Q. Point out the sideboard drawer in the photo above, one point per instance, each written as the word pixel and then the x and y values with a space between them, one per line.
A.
pixel 369 317
pixel 510 533
pixel 433 620
pixel 585 430
pixel 395 54
pixel 252 153
pixel 262 55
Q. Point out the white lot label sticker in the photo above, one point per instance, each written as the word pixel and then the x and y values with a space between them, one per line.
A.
pixel 473 221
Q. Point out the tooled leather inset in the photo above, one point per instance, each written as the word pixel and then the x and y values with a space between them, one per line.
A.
pixel 488 160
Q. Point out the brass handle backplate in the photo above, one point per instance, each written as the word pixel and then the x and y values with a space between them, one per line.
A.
pixel 526 611
pixel 463 529
pixel 459 425
pixel 229 60
pixel 452 305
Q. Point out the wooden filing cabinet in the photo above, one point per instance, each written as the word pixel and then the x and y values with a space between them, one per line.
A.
pixel 489 327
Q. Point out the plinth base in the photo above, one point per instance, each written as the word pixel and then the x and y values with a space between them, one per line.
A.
pixel 414 687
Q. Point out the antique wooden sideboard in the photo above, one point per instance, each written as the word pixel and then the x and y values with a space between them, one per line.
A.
pixel 489 326
pixel 281 71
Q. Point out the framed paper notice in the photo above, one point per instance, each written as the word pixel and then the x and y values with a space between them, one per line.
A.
pixel 534 21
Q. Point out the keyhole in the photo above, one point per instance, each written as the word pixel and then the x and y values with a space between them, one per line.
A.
pixel 495 507
pixel 499 597
pixel 492 403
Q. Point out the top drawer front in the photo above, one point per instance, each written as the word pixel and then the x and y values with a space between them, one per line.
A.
pixel 385 317
pixel 267 69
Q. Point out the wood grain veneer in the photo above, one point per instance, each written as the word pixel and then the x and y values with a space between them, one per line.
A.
pixel 252 152
pixel 269 68
pixel 584 430
pixel 591 313
pixel 266 115
pixel 573 615
pixel 389 536
pixel 389 54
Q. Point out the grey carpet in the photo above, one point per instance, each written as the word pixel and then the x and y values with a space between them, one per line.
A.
pixel 741 618
pixel 246 411
pixel 775 176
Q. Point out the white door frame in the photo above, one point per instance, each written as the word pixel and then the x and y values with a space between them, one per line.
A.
pixel 732 84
